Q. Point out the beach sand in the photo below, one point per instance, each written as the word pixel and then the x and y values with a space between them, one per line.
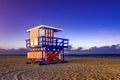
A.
pixel 15 68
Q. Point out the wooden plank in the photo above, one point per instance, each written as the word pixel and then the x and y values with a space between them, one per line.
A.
pixel 36 55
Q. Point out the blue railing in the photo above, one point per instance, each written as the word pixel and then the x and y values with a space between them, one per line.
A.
pixel 44 41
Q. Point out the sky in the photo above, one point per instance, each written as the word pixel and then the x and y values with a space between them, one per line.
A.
pixel 86 23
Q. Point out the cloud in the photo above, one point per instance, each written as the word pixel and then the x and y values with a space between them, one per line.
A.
pixel 104 39
pixel 13 51
pixel 105 31
pixel 118 37
pixel 109 38
pixel 114 49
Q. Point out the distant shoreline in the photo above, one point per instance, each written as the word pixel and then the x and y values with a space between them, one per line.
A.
pixel 93 55
pixel 76 55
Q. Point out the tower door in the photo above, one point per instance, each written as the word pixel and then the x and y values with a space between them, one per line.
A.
pixel 34 37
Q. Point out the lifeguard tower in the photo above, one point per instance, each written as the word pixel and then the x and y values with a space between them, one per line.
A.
pixel 44 46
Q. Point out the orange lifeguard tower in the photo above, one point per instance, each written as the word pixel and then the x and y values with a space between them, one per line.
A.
pixel 44 46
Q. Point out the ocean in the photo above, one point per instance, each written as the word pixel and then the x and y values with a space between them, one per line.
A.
pixel 92 55
pixel 76 55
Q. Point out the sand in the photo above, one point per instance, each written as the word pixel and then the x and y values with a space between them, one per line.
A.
pixel 15 68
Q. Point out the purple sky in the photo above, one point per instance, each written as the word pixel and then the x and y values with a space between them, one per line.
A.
pixel 86 23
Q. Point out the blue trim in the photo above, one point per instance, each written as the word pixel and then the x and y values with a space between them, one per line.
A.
pixel 58 43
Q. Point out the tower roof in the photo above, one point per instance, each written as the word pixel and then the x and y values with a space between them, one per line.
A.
pixel 46 27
